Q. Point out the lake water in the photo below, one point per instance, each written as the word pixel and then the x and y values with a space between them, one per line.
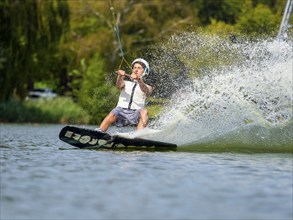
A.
pixel 40 181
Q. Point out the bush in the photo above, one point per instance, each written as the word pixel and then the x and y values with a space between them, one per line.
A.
pixel 96 95
pixel 59 110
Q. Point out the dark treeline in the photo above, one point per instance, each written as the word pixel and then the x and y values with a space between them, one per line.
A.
pixel 70 45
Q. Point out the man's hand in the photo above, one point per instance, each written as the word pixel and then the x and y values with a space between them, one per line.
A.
pixel 134 76
pixel 121 72
pixel 120 82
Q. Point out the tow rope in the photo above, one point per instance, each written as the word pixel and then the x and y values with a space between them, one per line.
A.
pixel 116 30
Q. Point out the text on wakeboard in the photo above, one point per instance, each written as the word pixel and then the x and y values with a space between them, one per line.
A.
pixel 84 139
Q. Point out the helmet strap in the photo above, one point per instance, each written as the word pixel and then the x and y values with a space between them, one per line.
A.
pixel 145 72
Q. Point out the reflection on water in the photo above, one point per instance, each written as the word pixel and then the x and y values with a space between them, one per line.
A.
pixel 39 181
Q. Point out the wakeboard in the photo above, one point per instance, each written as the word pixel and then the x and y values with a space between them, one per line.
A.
pixel 93 139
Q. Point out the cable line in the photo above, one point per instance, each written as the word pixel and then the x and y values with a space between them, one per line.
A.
pixel 116 30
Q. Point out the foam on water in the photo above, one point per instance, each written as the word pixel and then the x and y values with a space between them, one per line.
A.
pixel 248 98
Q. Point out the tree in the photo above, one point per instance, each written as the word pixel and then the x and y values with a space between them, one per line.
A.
pixel 31 32
pixel 95 95
pixel 220 10
pixel 47 40
pixel 259 20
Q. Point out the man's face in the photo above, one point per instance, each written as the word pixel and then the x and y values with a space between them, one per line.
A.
pixel 137 71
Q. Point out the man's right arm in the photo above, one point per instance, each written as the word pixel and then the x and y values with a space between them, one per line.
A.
pixel 120 79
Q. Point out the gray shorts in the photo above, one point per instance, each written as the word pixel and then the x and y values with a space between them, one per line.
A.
pixel 126 117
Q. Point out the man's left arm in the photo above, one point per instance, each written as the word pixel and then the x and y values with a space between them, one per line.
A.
pixel 144 87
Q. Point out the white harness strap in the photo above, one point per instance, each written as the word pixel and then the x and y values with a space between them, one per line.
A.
pixel 131 96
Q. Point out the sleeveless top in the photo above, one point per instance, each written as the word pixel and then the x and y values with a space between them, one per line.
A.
pixel 131 96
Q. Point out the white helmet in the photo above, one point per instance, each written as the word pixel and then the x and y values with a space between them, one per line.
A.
pixel 146 66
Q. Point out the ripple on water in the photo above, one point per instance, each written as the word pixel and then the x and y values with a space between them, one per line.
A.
pixel 38 181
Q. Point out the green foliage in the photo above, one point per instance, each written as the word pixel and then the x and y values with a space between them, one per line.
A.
pixel 96 95
pixel 71 45
pixel 57 110
pixel 224 10
pixel 31 32
pixel 259 20
pixel 155 106
pixel 220 28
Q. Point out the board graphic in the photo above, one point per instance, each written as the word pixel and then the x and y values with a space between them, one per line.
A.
pixel 88 138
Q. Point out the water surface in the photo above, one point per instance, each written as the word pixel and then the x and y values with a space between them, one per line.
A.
pixel 40 181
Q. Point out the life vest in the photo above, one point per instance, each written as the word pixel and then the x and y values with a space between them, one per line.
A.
pixel 131 96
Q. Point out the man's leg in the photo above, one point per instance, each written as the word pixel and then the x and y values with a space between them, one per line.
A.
pixel 144 119
pixel 110 119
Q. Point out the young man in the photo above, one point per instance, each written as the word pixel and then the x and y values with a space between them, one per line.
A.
pixel 130 109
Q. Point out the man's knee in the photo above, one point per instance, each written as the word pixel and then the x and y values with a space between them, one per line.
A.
pixel 111 117
pixel 144 112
